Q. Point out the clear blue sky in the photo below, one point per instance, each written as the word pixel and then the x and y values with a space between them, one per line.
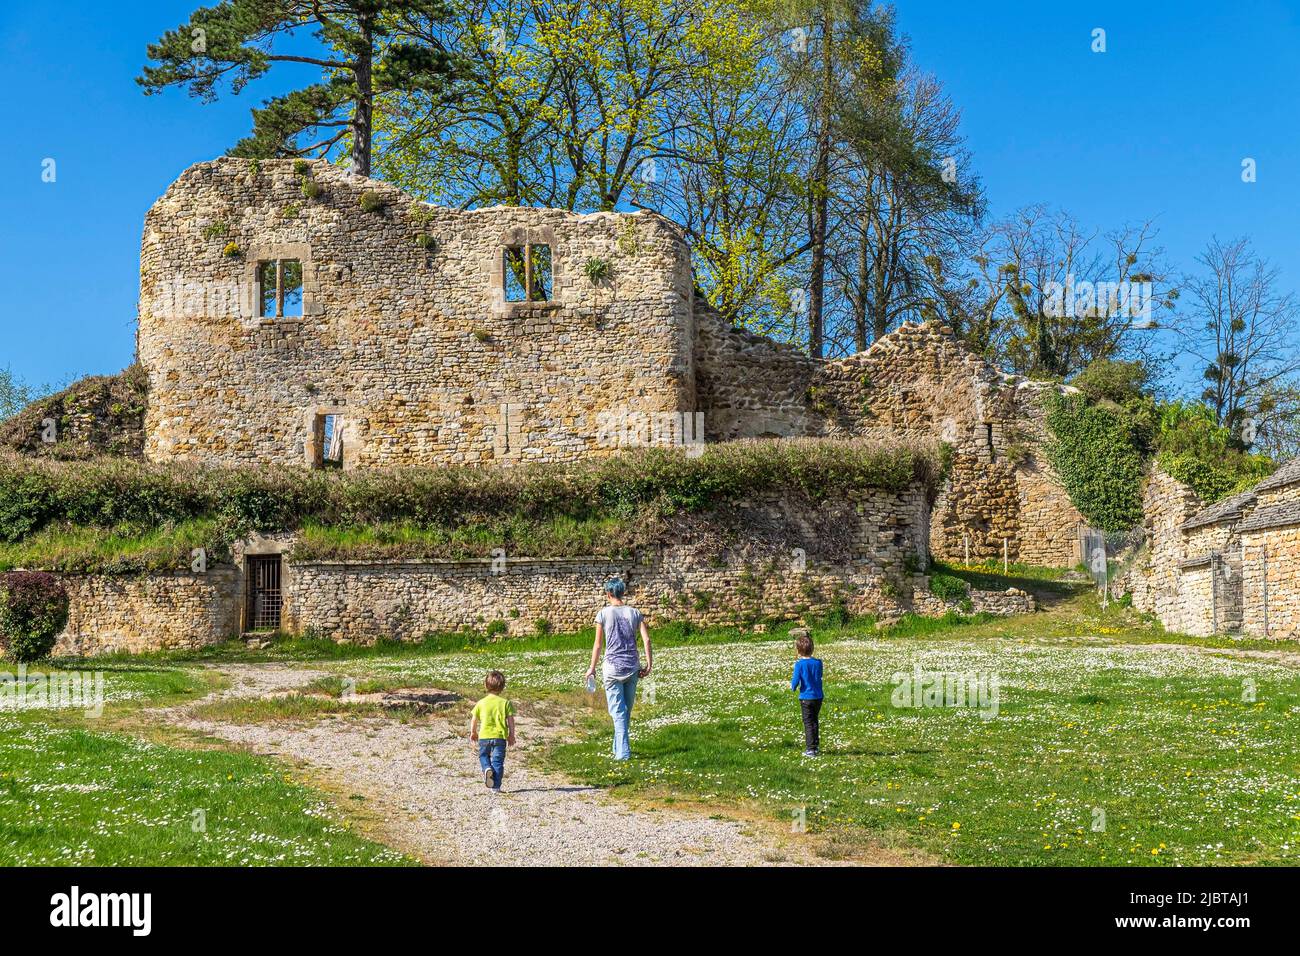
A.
pixel 1156 126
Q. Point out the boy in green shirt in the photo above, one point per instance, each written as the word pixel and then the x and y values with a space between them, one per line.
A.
pixel 492 727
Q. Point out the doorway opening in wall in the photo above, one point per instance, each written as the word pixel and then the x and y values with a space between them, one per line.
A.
pixel 327 441
pixel 264 599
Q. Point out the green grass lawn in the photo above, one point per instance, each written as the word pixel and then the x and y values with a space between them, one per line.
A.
pixel 1113 743
pixel 1103 751
pixel 74 792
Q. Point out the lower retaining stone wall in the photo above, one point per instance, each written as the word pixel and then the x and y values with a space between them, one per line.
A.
pixel 769 558
pixel 150 612
pixel 759 561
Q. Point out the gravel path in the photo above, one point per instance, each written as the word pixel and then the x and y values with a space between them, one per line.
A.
pixel 420 779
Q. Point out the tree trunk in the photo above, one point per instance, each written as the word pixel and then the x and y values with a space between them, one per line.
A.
pixel 860 341
pixel 363 118
pixel 821 201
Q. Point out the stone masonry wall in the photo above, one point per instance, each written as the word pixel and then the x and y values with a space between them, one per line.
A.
pixel 1153 581
pixel 1274 552
pixel 413 345
pixel 1227 568
pixel 150 612
pixel 790 559
pixel 918 383
pixel 768 559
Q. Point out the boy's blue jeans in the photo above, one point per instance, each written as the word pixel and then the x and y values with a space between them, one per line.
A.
pixel 619 697
pixel 492 753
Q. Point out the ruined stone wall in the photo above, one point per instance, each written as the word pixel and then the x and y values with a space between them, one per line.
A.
pixel 147 612
pixel 1153 580
pixel 918 383
pixel 1192 610
pixel 749 386
pixel 790 559
pixel 768 559
pixel 96 415
pixel 411 342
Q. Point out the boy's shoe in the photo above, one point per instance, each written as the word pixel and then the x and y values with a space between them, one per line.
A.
pixel 810 753
pixel 487 778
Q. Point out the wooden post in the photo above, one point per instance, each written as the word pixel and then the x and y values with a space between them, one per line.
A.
pixel 1004 556
pixel 1266 590
pixel 965 543
pixel 1214 593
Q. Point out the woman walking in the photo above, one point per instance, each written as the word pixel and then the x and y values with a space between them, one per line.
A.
pixel 617 626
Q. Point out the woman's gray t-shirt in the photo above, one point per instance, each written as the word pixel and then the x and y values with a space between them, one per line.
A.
pixel 621 624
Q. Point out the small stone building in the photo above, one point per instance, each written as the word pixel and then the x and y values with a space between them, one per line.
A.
pixel 293 314
pixel 1226 568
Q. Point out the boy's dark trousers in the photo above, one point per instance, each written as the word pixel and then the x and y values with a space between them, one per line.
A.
pixel 811 732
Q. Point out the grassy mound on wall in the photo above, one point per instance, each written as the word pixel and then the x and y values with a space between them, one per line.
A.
pixel 96 415
pixel 119 515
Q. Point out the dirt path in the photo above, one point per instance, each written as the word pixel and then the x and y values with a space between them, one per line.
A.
pixel 422 788
pixel 1279 656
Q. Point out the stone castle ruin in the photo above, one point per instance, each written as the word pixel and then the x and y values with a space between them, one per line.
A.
pixel 293 314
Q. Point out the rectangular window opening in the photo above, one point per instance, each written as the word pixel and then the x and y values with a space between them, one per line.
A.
pixel 279 288
pixel 266 289
pixel 327 438
pixel 527 273
pixel 515 275
pixel 290 287
pixel 539 271
pixel 988 436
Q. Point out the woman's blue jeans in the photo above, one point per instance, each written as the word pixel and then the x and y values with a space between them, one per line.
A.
pixel 619 697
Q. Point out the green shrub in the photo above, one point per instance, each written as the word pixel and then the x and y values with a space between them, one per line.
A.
pixel 311 189
pixel 1199 452
pixel 1099 458
pixel 598 269
pixel 301 167
pixel 371 201
pixel 33 610
pixel 426 242
pixel 637 487
pixel 543 627
pixel 946 587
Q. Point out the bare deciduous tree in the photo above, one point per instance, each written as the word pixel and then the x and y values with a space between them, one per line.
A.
pixel 1242 329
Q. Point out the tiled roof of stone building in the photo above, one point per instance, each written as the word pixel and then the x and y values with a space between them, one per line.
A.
pixel 1288 474
pixel 1278 516
pixel 1229 509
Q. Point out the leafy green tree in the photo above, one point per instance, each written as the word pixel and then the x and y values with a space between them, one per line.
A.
pixel 15 395
pixel 359 51
pixel 563 103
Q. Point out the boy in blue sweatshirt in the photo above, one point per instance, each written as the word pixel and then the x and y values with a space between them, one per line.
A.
pixel 807 680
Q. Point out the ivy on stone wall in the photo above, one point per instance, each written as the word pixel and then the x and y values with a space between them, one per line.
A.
pixel 1099 459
